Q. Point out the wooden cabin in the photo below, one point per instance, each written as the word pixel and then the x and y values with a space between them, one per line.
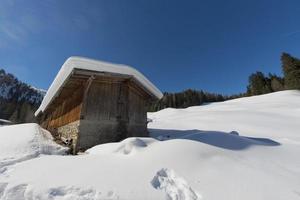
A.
pixel 92 102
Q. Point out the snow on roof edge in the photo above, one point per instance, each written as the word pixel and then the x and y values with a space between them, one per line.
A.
pixel 5 121
pixel 76 62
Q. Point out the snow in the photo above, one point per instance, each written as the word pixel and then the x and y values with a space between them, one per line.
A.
pixel 5 90
pixel 174 186
pixel 12 88
pixel 246 149
pixel 272 115
pixel 40 91
pixel 23 142
pixel 5 121
pixel 127 146
pixel 93 65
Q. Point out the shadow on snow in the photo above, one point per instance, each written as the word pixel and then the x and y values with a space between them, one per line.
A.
pixel 231 140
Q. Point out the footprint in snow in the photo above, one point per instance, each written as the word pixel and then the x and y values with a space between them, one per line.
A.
pixel 176 188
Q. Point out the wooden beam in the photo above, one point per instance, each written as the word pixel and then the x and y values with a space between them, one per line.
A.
pixel 84 99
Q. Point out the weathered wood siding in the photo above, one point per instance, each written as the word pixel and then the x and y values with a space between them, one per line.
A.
pixel 137 107
pixel 101 102
pixel 104 109
pixel 137 125
pixel 64 110
pixel 114 110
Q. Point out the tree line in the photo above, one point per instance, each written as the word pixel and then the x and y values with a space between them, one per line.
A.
pixel 185 99
pixel 258 83
pixel 262 84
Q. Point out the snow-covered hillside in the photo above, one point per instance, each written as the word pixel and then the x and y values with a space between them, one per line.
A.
pixel 240 149
pixel 275 115
pixel 13 89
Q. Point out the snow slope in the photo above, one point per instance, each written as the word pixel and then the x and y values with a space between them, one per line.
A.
pixel 240 149
pixel 23 142
pixel 274 115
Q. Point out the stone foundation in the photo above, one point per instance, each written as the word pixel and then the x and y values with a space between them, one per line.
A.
pixel 69 133
pixel 83 134
pixel 98 132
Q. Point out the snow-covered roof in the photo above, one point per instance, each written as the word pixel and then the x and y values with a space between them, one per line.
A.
pixel 75 62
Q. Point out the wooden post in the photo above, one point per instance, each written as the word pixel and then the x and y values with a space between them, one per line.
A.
pixel 84 99
pixel 83 110
pixel 122 111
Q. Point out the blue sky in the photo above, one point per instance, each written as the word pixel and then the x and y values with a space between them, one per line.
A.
pixel 210 45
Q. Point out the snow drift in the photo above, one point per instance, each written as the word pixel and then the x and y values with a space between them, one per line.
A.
pixel 246 149
pixel 26 141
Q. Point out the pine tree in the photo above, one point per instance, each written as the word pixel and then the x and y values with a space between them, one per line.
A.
pixel 259 84
pixel 185 99
pixel 291 71
pixel 277 83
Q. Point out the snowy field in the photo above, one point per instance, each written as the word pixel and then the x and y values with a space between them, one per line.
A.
pixel 243 149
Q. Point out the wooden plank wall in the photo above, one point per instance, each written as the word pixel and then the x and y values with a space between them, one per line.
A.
pixel 102 101
pixel 67 110
pixel 137 106
pixel 109 100
pixel 116 100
